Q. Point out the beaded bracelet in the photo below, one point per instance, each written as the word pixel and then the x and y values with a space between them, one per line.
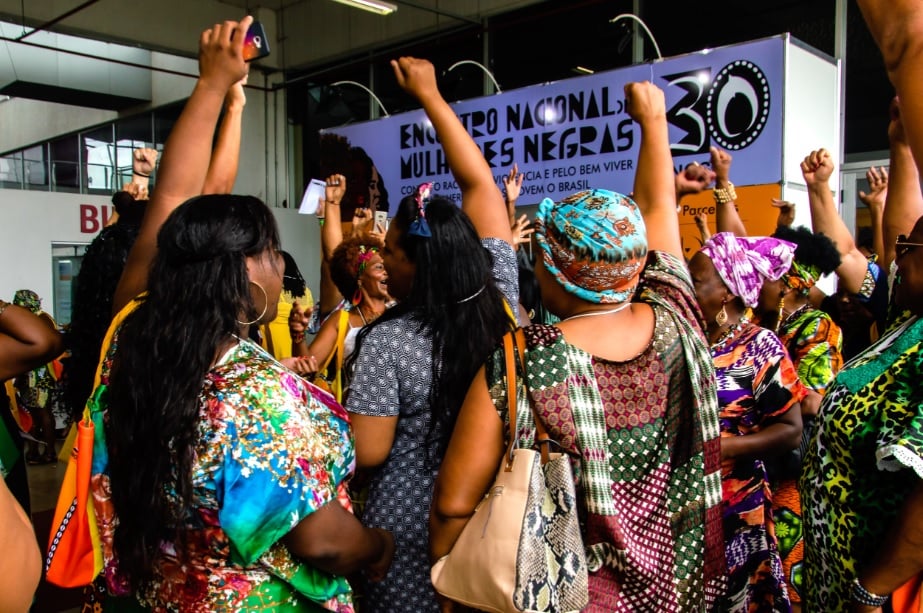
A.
pixel 297 338
pixel 726 194
pixel 863 596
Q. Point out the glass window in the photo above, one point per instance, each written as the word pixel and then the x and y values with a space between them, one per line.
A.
pixel 163 122
pixel 11 171
pixel 131 134
pixel 65 164
pixel 35 163
pixel 99 160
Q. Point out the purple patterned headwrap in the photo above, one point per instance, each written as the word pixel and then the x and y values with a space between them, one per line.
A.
pixel 745 262
pixel 594 243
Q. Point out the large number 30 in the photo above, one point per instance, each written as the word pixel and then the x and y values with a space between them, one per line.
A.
pixel 731 109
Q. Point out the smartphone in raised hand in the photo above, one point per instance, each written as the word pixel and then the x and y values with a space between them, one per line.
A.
pixel 381 220
pixel 313 194
pixel 256 45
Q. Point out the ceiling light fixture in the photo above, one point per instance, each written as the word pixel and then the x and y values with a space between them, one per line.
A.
pixel 479 65
pixel 643 25
pixel 583 70
pixel 373 6
pixel 368 91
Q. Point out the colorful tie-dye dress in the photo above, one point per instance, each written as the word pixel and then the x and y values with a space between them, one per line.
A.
pixel 271 450
pixel 756 384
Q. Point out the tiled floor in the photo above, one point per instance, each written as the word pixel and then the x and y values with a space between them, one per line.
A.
pixel 44 482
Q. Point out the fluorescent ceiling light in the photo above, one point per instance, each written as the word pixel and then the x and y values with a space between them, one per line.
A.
pixel 582 70
pixel 373 6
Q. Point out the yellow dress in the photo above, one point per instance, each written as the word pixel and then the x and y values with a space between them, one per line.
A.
pixel 276 338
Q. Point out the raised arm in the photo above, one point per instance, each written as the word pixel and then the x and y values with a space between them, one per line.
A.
pixel 26 341
pixel 331 232
pixel 727 219
pixel 481 200
pixel 904 203
pixel 512 188
pixel 786 212
pixel 897 27
pixel 143 163
pixel 817 168
pixel 222 169
pixel 331 235
pixel 187 151
pixel 701 222
pixel 655 185
pixel 875 201
pixel 693 179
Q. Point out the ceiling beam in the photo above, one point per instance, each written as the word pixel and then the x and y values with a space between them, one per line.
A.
pixel 59 18
pixel 437 11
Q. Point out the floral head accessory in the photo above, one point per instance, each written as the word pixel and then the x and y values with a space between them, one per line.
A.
pixel 362 262
pixel 365 256
pixel 419 226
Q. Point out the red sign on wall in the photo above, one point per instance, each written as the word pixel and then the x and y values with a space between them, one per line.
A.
pixel 94 218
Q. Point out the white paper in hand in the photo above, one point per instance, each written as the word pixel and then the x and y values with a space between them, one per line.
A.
pixel 313 194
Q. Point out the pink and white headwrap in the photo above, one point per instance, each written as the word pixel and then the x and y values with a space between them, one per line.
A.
pixel 745 262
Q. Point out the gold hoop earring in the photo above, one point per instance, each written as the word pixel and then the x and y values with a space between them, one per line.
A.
pixel 781 309
pixel 722 317
pixel 265 307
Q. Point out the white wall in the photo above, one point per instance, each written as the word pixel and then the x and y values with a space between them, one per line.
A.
pixel 300 236
pixel 31 222
pixel 812 120
pixel 26 122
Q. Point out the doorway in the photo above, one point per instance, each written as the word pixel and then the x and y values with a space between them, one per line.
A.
pixel 65 265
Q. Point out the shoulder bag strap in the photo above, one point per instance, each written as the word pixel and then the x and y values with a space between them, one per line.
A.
pixel 510 361
pixel 541 433
pixel 342 326
pixel 342 329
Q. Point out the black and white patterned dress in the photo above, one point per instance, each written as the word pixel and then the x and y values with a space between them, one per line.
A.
pixel 393 376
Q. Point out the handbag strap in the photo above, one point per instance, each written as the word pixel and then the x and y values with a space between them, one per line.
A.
pixel 342 326
pixel 336 383
pixel 514 344
pixel 510 361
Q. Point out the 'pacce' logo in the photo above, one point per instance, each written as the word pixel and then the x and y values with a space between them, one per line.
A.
pixel 730 109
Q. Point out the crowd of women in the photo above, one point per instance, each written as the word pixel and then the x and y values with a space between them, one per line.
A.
pixel 725 458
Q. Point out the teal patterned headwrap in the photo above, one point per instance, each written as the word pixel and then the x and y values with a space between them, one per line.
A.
pixel 594 243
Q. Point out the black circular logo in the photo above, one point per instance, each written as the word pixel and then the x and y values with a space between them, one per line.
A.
pixel 738 105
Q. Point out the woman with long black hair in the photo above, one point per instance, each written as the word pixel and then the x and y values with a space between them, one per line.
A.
pixel 451 270
pixel 219 475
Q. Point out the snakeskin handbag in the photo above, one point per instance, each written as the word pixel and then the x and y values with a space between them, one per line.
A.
pixel 522 550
